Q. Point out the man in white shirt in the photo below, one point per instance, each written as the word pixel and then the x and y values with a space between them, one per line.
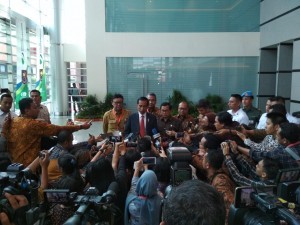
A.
pixel 237 113
pixel 6 101
pixel 44 113
pixel 263 119
pixel 273 101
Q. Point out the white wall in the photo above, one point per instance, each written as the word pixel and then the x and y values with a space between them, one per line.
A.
pixel 72 30
pixel 100 45
pixel 74 53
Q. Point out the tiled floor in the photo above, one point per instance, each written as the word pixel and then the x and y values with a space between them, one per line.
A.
pixel 81 135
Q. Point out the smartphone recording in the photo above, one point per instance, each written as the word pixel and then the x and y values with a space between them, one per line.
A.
pixel 149 160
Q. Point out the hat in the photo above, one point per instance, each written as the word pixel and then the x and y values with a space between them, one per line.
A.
pixel 247 94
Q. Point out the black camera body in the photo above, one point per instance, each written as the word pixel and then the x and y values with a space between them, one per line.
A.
pixel 262 207
pixel 115 138
pixel 19 181
pixel 180 157
pixel 91 205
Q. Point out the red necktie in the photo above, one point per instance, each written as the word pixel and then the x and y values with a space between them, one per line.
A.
pixel 142 127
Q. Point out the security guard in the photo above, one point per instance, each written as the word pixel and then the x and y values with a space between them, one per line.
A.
pixel 252 112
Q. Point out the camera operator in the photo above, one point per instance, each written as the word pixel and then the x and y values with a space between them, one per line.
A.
pixel 162 172
pixel 143 203
pixel 18 204
pixel 265 171
pixel 100 174
pixel 194 203
pixel 145 147
pixel 71 180
pixel 43 162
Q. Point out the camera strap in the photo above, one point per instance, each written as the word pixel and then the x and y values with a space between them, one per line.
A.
pixel 20 215
pixel 7 209
pixel 292 154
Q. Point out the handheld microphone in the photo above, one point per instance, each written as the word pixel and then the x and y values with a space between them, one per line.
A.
pixel 156 135
pixel 129 136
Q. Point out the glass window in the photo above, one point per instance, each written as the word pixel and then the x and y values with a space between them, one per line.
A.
pixel 77 84
pixel 182 16
pixel 194 77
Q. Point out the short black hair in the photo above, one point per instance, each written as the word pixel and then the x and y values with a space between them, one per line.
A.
pixel 152 94
pixel 225 118
pixel 143 99
pixel 280 108
pixel 117 95
pixel 144 144
pixel 35 91
pixel 67 163
pixel 63 136
pixel 25 103
pixel 195 203
pixel 271 168
pixel 237 96
pixel 100 174
pixel 131 156
pixel 5 95
pixel 203 103
pixel 215 158
pixel 277 117
pixel 162 169
pixel 212 141
pixel 272 99
pixel 166 104
pixel 280 99
pixel 290 131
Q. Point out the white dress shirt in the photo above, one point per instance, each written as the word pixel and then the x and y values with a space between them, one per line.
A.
pixel 239 116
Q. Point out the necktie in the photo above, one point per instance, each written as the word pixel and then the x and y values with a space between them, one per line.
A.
pixel 142 127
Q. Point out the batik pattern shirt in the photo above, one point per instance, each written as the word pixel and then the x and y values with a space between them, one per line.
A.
pixel 24 138
pixel 268 144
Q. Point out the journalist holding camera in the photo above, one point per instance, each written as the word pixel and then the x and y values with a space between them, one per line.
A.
pixel 12 209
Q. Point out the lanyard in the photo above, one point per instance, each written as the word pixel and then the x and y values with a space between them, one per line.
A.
pixel 118 118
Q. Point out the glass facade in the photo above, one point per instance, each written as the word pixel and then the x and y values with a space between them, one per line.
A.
pixel 194 77
pixel 24 46
pixel 182 16
pixel 77 84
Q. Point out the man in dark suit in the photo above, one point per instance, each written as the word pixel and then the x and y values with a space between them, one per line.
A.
pixel 141 123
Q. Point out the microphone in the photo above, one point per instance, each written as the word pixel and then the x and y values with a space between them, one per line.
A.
pixel 110 195
pixel 105 141
pixel 129 136
pixel 156 135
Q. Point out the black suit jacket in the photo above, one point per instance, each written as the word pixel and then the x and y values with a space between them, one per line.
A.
pixel 133 124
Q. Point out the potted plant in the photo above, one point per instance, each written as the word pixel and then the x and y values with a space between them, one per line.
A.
pixel 91 108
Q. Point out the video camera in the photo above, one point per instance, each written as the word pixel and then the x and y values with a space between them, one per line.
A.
pixel 268 204
pixel 19 181
pixel 180 157
pixel 92 206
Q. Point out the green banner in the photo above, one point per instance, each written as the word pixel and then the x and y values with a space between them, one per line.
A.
pixel 22 89
pixel 41 85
